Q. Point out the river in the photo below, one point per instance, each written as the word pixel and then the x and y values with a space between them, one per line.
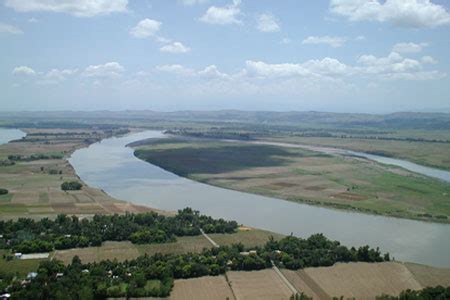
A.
pixel 111 166
pixel 7 135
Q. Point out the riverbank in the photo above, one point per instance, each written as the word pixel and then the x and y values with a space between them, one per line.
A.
pixel 34 167
pixel 430 154
pixel 303 176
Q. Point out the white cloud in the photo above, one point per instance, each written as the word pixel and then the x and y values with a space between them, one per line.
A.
pixel 55 76
pixel 175 48
pixel 175 69
pixel 404 13
pixel 79 8
pixel 212 72
pixel 417 76
pixel 333 41
pixel 409 47
pixel 145 28
pixel 267 23
pixel 428 60
pixel 393 63
pixel 24 70
pixel 224 15
pixel 9 29
pixel 324 67
pixel 192 2
pixel 360 38
pixel 33 20
pixel 108 70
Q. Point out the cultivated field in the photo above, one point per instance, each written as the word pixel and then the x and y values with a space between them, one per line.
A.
pixel 304 176
pixel 261 285
pixel 429 276
pixel 109 250
pixel 204 288
pixel 360 280
pixel 126 250
pixel 35 185
pixel 249 237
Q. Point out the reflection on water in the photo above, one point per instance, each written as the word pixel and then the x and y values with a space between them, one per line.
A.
pixel 111 166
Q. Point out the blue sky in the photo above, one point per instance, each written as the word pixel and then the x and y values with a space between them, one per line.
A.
pixel 328 55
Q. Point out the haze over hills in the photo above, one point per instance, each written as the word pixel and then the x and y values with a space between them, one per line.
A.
pixel 399 120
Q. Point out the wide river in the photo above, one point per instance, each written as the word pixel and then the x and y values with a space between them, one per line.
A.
pixel 111 166
pixel 7 135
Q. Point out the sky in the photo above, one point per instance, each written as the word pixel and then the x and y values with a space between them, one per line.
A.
pixel 373 56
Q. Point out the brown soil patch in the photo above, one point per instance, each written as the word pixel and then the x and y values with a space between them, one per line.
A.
pixel 204 288
pixel 261 285
pixel 429 276
pixel 362 280
pixel 315 188
pixel 350 196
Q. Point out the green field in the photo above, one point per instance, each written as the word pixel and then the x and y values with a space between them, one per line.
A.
pixel 435 155
pixel 19 267
pixel 304 176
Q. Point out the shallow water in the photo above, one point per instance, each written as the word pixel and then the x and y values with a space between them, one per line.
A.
pixel 111 166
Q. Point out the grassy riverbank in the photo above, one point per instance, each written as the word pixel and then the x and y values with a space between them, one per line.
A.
pixel 304 176
pixel 33 169
pixel 434 155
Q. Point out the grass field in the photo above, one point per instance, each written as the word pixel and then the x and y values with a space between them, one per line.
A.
pixel 17 266
pixel 35 186
pixel 304 176
pixel 126 250
pixel 424 153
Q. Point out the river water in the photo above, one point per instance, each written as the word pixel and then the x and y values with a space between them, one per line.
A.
pixel 7 135
pixel 111 166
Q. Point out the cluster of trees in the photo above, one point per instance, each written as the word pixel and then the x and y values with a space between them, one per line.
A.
pixel 428 293
pixel 71 186
pixel 212 133
pixel 3 191
pixel 154 275
pixel 317 250
pixel 29 236
pixel 32 157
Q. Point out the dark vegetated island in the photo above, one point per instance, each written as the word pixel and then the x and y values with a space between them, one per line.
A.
pixel 303 176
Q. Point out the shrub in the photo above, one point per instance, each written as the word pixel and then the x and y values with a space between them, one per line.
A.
pixel 71 186
pixel 3 191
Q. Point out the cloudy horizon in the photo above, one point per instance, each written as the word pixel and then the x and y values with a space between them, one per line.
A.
pixel 334 55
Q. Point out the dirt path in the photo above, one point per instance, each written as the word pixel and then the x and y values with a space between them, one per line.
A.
pixel 284 279
pixel 209 239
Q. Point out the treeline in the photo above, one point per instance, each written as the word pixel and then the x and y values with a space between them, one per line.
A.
pixel 154 275
pixel 212 134
pixel 33 157
pixel 29 236
pixel 428 293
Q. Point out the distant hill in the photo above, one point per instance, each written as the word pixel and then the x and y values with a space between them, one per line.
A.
pixel 400 120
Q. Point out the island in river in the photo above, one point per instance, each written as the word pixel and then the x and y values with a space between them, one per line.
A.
pixel 301 175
